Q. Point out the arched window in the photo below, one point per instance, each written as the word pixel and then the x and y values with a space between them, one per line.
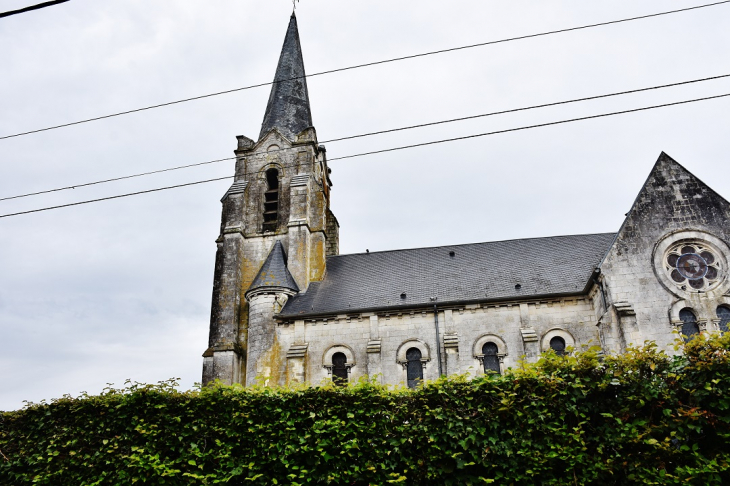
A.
pixel 271 200
pixel 723 313
pixel 339 369
pixel 689 326
pixel 491 360
pixel 558 345
pixel 414 367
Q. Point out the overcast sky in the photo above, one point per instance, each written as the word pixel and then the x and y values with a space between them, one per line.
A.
pixel 121 289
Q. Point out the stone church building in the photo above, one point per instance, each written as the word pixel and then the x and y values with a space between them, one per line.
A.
pixel 287 307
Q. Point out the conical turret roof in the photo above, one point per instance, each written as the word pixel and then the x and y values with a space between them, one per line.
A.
pixel 288 107
pixel 274 272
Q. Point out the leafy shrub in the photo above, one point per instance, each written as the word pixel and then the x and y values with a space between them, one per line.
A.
pixel 640 418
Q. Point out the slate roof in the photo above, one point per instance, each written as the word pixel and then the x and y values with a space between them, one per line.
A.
pixel 553 266
pixel 274 272
pixel 288 108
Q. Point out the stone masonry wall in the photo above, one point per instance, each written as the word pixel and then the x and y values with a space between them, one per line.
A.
pixel 574 316
pixel 673 203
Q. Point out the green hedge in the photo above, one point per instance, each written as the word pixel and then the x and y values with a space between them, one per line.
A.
pixel 642 418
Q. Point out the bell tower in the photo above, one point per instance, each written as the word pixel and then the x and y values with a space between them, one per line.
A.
pixel 276 230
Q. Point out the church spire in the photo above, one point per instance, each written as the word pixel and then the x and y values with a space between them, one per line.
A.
pixel 288 107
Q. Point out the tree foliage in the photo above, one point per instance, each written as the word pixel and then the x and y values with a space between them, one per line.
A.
pixel 640 418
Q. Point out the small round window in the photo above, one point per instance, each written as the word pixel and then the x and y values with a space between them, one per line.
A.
pixel 693 266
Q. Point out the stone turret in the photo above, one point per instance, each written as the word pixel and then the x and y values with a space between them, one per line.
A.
pixel 277 210
pixel 266 297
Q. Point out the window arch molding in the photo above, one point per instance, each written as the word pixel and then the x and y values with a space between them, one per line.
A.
pixel 698 311
pixel 401 358
pixel 261 175
pixel 338 348
pixel 553 333
pixel 487 338
pixel 478 353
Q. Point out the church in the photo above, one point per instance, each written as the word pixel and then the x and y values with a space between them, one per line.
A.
pixel 288 308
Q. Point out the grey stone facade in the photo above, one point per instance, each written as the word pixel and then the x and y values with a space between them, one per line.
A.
pixel 285 303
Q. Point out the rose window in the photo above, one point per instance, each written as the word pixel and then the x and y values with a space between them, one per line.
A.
pixel 693 264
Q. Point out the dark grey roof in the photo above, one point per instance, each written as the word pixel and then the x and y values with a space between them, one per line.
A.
pixel 558 265
pixel 274 272
pixel 288 108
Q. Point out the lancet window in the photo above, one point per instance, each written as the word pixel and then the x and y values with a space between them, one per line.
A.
pixel 339 369
pixel 414 367
pixel 689 323
pixel 490 359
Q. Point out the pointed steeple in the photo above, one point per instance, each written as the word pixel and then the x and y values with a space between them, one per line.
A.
pixel 274 272
pixel 288 107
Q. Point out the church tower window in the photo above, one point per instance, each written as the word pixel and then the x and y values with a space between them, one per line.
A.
pixel 558 345
pixel 689 326
pixel 491 360
pixel 414 367
pixel 271 200
pixel 723 313
pixel 339 369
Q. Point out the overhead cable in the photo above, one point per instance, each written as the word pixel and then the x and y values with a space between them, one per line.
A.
pixel 89 201
pixel 559 122
pixel 31 8
pixel 375 63
pixel 404 147
pixel 350 137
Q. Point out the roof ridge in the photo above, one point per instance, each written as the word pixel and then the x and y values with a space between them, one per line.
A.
pixel 475 243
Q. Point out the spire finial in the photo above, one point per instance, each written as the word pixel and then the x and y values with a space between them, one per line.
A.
pixel 294 3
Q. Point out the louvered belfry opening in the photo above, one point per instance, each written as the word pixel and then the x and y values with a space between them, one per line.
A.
pixel 271 200
pixel 339 369
pixel 491 358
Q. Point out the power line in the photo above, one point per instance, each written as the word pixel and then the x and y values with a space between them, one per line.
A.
pixel 89 201
pixel 32 7
pixel 633 110
pixel 350 137
pixel 375 63
pixel 404 147
pixel 513 110
pixel 114 179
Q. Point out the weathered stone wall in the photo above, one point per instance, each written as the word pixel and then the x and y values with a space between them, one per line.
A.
pixel 333 234
pixel 375 339
pixel 265 361
pixel 673 206
pixel 244 244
